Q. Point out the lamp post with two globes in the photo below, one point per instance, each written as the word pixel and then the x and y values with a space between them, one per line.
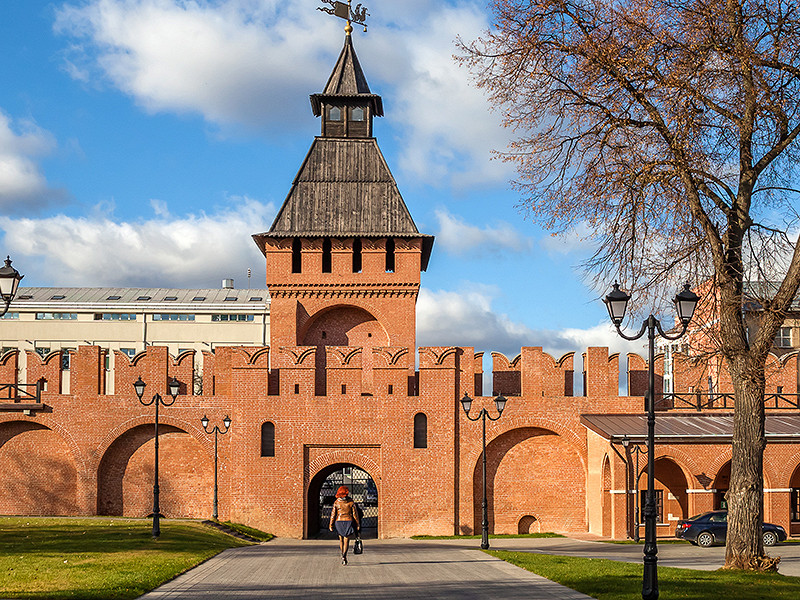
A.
pixel 617 303
pixel 216 431
pixel 500 404
pixel 174 389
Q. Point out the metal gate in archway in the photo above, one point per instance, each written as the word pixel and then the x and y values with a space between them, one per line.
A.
pixel 363 491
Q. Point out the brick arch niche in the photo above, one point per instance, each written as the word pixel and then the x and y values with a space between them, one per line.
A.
pixel 38 475
pixel 185 474
pixel 313 507
pixel 343 325
pixel 530 472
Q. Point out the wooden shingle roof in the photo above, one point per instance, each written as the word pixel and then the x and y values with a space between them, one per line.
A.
pixel 345 189
pixel 347 81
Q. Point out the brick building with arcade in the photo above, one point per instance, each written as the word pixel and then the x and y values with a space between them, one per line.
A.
pixel 337 396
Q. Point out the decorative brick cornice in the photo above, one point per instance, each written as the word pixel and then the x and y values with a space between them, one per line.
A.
pixel 343 290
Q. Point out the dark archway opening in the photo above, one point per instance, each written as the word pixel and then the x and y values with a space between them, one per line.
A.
pixel 721 483
pixel 322 492
pixel 794 495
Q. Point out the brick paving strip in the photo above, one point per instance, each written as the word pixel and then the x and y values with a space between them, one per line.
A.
pixel 388 569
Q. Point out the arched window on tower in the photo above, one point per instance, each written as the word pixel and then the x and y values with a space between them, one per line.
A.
pixel 420 430
pixel 268 439
pixel 357 255
pixel 390 255
pixel 334 113
pixel 326 255
pixel 357 113
pixel 297 256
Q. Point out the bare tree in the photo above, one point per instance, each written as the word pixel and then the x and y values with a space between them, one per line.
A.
pixel 669 128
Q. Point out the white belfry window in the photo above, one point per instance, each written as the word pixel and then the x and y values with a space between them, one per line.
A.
pixel 784 337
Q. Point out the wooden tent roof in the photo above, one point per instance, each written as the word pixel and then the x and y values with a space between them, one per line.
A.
pixel 347 81
pixel 345 189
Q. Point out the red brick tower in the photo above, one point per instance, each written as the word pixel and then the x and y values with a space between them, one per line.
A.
pixel 344 255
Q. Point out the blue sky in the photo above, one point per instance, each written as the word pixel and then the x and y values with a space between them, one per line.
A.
pixel 142 142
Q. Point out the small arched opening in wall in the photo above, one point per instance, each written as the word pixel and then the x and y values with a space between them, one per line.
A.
pixel 322 494
pixel 528 524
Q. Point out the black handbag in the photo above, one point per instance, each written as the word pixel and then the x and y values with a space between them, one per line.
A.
pixel 358 547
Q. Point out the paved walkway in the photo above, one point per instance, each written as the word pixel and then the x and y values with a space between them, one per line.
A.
pixel 408 569
pixel 388 569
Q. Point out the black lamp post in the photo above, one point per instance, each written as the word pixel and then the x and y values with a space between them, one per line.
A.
pixel 637 450
pixel 174 388
pixel 500 403
pixel 9 282
pixel 216 431
pixel 617 303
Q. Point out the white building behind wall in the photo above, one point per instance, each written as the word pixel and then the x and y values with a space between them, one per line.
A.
pixel 46 320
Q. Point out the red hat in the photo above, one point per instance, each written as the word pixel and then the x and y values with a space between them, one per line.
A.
pixel 342 492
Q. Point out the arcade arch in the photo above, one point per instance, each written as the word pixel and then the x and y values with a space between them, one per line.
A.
pixel 794 507
pixel 125 474
pixel 721 483
pixel 672 499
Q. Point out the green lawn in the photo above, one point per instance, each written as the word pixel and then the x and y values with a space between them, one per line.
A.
pixel 611 580
pixel 95 558
pixel 500 536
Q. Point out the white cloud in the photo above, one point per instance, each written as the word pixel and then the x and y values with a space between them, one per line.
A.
pixel 449 132
pixel 458 237
pixel 447 318
pixel 251 64
pixel 22 184
pixel 165 251
pixel 236 63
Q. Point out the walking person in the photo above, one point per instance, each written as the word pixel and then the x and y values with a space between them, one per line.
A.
pixel 344 516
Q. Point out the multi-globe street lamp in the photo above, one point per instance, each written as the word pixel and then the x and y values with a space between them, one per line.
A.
pixel 9 282
pixel 174 389
pixel 500 404
pixel 617 303
pixel 216 431
pixel 637 450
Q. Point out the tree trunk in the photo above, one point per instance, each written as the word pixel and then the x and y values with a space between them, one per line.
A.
pixel 745 546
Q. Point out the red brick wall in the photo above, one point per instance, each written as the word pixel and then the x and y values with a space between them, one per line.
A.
pixel 540 465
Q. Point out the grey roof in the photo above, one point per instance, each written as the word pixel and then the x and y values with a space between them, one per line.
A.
pixel 686 427
pixel 48 299
pixel 347 81
pixel 344 188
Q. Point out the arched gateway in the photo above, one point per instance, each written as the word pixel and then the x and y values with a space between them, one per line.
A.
pixel 321 495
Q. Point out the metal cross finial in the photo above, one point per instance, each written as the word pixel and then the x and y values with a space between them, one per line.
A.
pixel 344 11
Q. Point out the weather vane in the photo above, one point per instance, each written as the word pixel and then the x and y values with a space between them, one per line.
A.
pixel 344 11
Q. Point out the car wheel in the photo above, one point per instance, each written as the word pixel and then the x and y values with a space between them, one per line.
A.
pixel 770 539
pixel 705 539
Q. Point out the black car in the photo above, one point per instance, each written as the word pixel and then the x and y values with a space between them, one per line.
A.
pixel 711 528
